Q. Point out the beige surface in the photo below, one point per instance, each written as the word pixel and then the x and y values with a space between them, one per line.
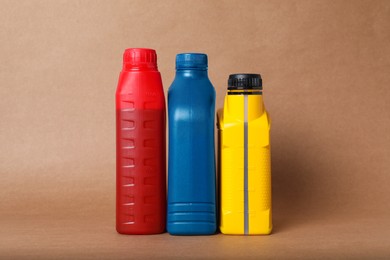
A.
pixel 326 71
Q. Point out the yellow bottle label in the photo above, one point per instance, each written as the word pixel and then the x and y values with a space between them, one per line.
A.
pixel 245 172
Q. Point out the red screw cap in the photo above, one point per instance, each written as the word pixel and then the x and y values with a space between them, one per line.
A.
pixel 139 59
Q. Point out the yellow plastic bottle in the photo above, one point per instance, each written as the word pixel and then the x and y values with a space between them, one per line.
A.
pixel 244 157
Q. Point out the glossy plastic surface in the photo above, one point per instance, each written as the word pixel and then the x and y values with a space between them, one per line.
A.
pixel 245 201
pixel 140 146
pixel 191 168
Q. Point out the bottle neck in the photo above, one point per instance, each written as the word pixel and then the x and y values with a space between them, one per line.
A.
pixel 192 73
pixel 238 106
pixel 245 92
pixel 131 67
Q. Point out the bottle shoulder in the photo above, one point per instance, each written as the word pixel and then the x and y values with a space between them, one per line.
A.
pixel 228 120
pixel 142 90
pixel 195 88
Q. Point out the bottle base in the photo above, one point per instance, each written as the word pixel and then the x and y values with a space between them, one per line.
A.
pixel 191 229
pixel 135 231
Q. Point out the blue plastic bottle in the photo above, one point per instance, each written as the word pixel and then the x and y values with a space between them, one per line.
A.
pixel 191 164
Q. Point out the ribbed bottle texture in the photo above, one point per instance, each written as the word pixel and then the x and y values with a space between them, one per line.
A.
pixel 191 177
pixel 140 140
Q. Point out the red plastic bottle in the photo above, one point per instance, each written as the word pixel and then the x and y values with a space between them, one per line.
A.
pixel 140 145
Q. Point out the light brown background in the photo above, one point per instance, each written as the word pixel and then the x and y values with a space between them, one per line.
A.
pixel 326 73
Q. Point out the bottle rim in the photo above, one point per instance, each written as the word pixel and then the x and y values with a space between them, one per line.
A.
pixel 191 61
